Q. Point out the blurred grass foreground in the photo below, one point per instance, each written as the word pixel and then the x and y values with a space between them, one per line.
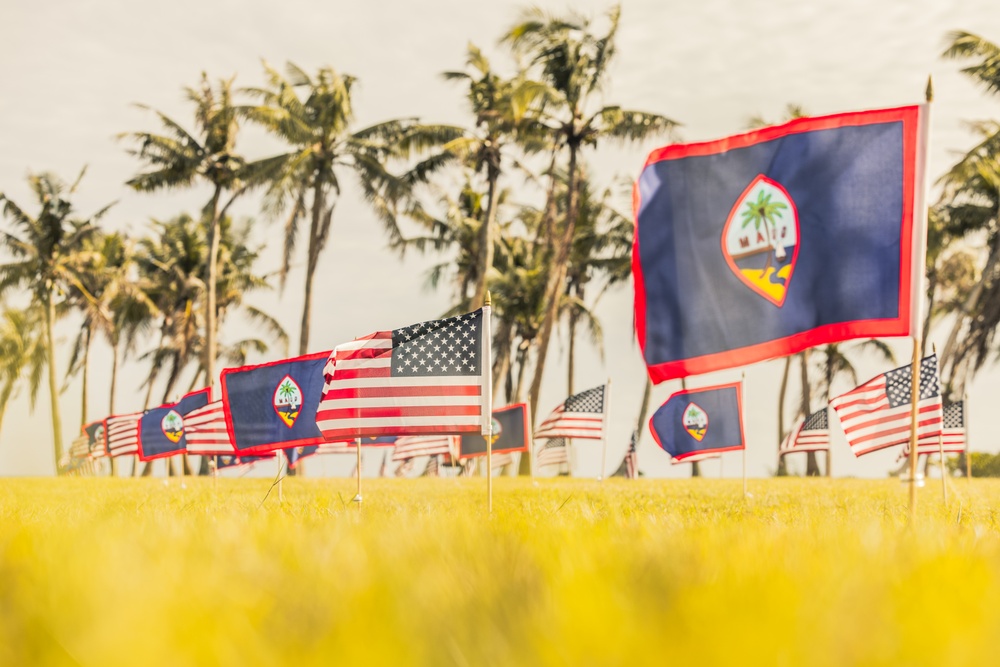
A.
pixel 566 572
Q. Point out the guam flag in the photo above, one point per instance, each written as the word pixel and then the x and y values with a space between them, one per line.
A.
pixel 764 244
pixel 161 430
pixel 273 406
pixel 510 433
pixel 696 422
pixel 95 439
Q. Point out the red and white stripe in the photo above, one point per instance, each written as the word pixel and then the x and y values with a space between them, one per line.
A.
pixel 695 457
pixel 550 456
pixel 502 459
pixel 870 424
pixel 205 431
pixel 952 442
pixel 122 433
pixel 361 397
pixel 577 425
pixel 798 440
pixel 409 447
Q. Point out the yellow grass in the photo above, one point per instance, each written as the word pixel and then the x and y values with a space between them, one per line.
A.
pixel 806 572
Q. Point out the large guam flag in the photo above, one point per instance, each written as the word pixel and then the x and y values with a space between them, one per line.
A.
pixel 695 423
pixel 764 244
pixel 161 430
pixel 273 406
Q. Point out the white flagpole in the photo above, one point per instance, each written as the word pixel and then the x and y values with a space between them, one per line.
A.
pixel 487 374
pixel 743 429
pixel 917 284
pixel 357 498
pixel 604 430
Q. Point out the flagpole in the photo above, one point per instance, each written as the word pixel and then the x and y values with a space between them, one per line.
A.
pixel 944 483
pixel 531 444
pixel 917 278
pixel 488 389
pixel 281 476
pixel 357 498
pixel 743 428
pixel 604 430
pixel 965 427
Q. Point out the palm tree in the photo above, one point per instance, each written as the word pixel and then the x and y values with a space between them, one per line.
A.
pixel 317 124
pixel 46 260
pixel 765 212
pixel 573 62
pixel 23 354
pixel 180 159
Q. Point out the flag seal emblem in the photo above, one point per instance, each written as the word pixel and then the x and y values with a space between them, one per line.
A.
pixel 173 426
pixel 761 239
pixel 695 421
pixel 287 400
pixel 497 429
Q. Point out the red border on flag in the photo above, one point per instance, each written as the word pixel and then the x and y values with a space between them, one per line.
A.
pixel 719 450
pixel 527 439
pixel 143 457
pixel 822 335
pixel 264 449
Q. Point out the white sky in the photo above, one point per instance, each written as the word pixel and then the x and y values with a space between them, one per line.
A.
pixel 73 70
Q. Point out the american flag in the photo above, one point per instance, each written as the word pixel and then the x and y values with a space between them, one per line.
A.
pixel 404 468
pixel 95 439
pixel 411 446
pixel 123 434
pixel 876 415
pixel 80 447
pixel 580 416
pixel 629 467
pixel 427 378
pixel 553 452
pixel 342 447
pixel 205 431
pixel 811 434
pixel 433 467
pixel 952 433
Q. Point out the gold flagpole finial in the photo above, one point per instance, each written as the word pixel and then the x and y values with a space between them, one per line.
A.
pixel 489 300
pixel 929 93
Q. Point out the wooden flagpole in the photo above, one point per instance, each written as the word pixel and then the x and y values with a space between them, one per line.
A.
pixel 944 482
pixel 743 429
pixel 965 429
pixel 604 430
pixel 357 497
pixel 918 262
pixel 487 372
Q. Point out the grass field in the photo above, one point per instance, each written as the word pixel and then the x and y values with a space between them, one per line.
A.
pixel 567 572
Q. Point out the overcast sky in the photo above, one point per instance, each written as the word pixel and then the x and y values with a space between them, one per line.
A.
pixel 72 72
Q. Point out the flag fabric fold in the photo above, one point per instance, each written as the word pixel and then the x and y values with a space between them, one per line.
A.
pixel 694 424
pixel 764 244
pixel 580 417
pixel 95 439
pixel 424 379
pixel 876 414
pixel 205 431
pixel 554 452
pixel 122 434
pixel 811 434
pixel 412 446
pixel 629 467
pixel 162 429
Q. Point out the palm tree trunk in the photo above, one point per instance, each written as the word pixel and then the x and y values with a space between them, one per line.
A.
pixel 812 466
pixel 782 469
pixel 522 359
pixel 695 468
pixel 571 357
pixel 502 362
pixel 111 399
pixel 486 237
pixel 211 285
pixel 829 386
pixel 556 280
pixel 932 281
pixel 50 316
pixel 312 260
pixel 969 306
pixel 647 393
pixel 83 393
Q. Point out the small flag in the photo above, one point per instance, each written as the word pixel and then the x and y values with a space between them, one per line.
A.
pixel 697 422
pixel 553 452
pixel 123 434
pixel 581 416
pixel 629 467
pixel 428 378
pixel 952 433
pixel 809 435
pixel 78 448
pixel 432 469
pixel 767 243
pixel 510 433
pixel 411 446
pixel 95 439
pixel 876 415
pixel 205 431
pixel 273 406
pixel 161 429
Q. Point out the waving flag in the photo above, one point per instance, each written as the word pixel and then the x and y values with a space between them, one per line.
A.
pixel 876 415
pixel 433 468
pixel 161 429
pixel 553 452
pixel 952 433
pixel 581 416
pixel 412 446
pixel 767 243
pixel 428 378
pixel 629 467
pixel 233 461
pixel 695 458
pixel 95 439
pixel 696 423
pixel 205 431
pixel 273 406
pixel 122 434
pixel 811 434
pixel 405 468
pixel 510 433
